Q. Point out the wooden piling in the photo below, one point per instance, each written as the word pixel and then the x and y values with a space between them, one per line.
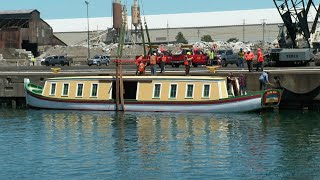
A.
pixel 117 85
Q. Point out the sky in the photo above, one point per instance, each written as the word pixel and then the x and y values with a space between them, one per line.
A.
pixel 66 9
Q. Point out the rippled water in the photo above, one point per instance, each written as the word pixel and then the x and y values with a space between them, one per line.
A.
pixel 105 145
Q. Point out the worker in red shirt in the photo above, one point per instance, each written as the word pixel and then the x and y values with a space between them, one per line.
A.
pixel 141 68
pixel 260 59
pixel 249 56
pixel 138 61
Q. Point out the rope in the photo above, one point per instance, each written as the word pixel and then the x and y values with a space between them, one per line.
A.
pixel 129 61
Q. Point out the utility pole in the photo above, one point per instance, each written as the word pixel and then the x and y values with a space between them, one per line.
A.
pixel 263 30
pixel 244 29
pixel 88 55
pixel 199 35
pixel 167 32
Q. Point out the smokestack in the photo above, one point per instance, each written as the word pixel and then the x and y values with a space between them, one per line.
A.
pixel 117 14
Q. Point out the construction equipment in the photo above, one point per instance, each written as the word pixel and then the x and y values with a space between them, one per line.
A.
pixel 294 33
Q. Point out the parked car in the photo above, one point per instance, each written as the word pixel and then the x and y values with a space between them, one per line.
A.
pixel 99 60
pixel 227 56
pixel 57 60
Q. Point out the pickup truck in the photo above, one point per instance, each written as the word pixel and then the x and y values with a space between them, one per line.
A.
pixel 198 58
pixel 227 56
pixel 99 60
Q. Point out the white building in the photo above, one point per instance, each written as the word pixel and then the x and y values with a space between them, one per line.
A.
pixel 243 24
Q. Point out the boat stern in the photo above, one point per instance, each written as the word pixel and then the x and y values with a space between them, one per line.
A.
pixel 271 98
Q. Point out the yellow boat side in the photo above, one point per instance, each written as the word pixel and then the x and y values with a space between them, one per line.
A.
pixel 83 87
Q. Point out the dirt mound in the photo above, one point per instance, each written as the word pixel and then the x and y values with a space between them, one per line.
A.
pixel 12 54
pixel 72 51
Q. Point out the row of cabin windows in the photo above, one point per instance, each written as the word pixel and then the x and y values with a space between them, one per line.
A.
pixel 174 90
pixel 79 93
pixel 157 90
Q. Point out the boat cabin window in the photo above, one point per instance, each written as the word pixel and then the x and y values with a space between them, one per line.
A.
pixel 189 91
pixel 94 90
pixel 53 89
pixel 65 90
pixel 79 90
pixel 156 91
pixel 206 91
pixel 173 91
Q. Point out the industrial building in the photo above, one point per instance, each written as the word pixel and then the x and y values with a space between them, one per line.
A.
pixel 24 29
pixel 245 25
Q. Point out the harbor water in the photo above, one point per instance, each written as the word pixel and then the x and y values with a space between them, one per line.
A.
pixel 42 144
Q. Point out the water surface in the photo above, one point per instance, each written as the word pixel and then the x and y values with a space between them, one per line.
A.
pixel 41 144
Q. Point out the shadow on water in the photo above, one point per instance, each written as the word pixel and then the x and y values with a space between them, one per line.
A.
pixel 164 145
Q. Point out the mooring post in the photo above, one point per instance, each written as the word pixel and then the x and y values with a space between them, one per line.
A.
pixel 13 103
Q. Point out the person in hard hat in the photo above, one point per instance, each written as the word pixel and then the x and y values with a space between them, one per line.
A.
pixel 260 60
pixel 153 64
pixel 138 61
pixel 187 63
pixel 163 60
pixel 241 54
pixel 249 56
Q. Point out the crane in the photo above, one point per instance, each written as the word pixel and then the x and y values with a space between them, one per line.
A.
pixel 294 14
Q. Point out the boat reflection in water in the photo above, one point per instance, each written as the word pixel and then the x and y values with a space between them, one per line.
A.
pixel 169 145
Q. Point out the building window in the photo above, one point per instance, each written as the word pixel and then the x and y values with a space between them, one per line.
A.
pixel 206 91
pixel 94 90
pixel 53 89
pixel 189 93
pixel 79 90
pixel 157 91
pixel 173 91
pixel 65 90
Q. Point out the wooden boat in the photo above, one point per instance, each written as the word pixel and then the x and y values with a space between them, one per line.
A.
pixel 146 93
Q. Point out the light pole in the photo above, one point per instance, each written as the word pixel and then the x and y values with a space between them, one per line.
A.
pixel 88 55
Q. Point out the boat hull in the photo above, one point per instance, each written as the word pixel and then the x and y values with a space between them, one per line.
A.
pixel 240 104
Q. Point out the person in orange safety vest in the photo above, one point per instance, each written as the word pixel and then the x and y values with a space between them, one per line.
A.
pixel 138 61
pixel 260 59
pixel 153 64
pixel 187 63
pixel 249 56
pixel 163 63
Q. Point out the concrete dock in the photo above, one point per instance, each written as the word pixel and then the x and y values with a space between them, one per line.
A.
pixel 301 84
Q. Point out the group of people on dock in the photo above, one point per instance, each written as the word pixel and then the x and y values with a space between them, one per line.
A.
pixel 249 57
pixel 142 62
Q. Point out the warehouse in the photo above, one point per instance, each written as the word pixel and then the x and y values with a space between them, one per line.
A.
pixel 24 29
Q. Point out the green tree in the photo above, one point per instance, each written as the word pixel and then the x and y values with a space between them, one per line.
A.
pixel 233 39
pixel 206 38
pixel 181 39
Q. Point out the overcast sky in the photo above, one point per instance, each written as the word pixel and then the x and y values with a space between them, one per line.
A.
pixel 61 9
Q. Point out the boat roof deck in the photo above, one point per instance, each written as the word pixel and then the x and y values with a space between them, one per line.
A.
pixel 140 78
